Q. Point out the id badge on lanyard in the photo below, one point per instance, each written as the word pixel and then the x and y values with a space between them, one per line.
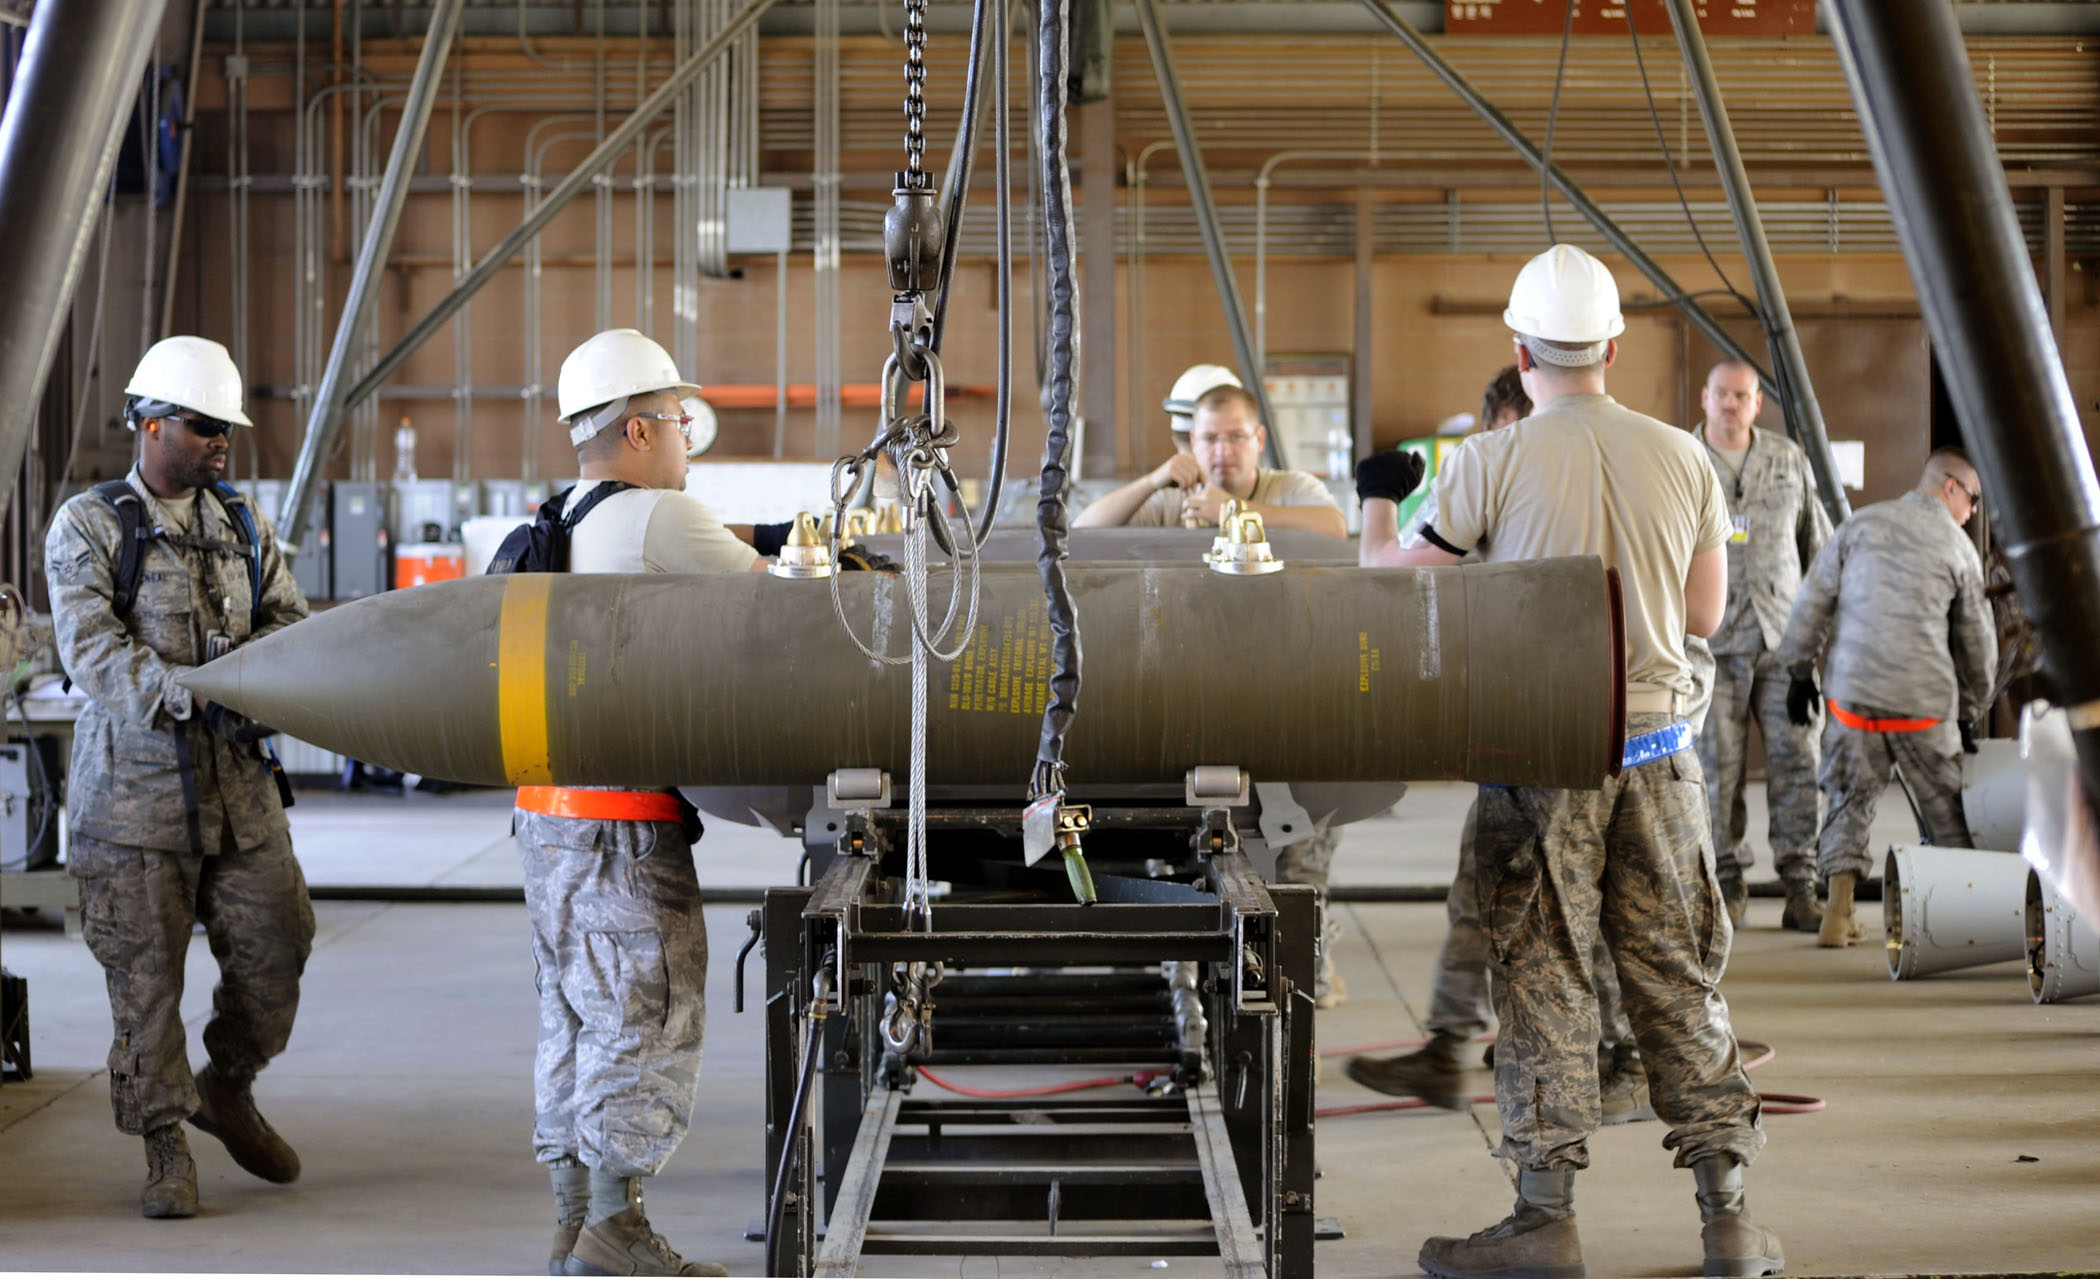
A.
pixel 1741 535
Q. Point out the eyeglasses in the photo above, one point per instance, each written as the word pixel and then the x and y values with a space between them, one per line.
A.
pixel 1975 496
pixel 685 423
pixel 204 428
pixel 1230 439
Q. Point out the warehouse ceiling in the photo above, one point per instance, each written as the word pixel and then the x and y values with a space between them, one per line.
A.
pixel 271 19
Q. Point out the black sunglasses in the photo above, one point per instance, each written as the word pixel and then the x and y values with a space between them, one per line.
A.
pixel 204 428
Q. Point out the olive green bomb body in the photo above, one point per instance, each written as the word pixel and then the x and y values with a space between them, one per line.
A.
pixel 1501 673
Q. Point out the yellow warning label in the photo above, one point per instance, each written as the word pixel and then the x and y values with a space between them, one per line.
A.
pixel 1367 661
pixel 576 667
pixel 1006 668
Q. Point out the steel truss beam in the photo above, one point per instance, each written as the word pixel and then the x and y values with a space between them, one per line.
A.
pixel 1803 414
pixel 321 433
pixel 329 406
pixel 79 74
pixel 1573 194
pixel 1207 219
pixel 1990 329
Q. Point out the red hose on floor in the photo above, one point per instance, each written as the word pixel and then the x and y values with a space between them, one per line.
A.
pixel 1051 1090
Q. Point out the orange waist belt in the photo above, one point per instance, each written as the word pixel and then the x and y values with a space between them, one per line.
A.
pixel 600 805
pixel 1860 723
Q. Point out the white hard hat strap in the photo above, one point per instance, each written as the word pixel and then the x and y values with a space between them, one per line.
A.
pixel 587 425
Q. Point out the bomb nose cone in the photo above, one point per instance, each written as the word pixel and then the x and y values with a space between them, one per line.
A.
pixel 405 679
pixel 220 680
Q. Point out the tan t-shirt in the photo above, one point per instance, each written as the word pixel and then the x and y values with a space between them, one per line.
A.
pixel 1271 488
pixel 1587 476
pixel 653 531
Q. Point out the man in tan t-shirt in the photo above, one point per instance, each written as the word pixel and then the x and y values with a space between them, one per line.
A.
pixel 1585 476
pixel 1220 462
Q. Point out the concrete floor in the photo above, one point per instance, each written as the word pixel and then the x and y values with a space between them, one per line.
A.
pixel 1962 1134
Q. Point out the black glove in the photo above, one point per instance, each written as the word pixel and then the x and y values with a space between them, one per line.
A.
pixel 1802 700
pixel 860 557
pixel 1968 737
pixel 234 726
pixel 1391 475
pixel 767 539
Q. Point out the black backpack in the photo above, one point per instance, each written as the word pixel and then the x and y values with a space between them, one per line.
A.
pixel 131 544
pixel 543 545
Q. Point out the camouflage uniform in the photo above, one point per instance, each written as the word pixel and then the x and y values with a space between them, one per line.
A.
pixel 1459 1003
pixel 1633 860
pixel 617 929
pixel 1897 599
pixel 1781 527
pixel 146 874
pixel 621 950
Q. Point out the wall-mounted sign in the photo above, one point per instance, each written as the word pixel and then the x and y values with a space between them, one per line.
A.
pixel 1608 17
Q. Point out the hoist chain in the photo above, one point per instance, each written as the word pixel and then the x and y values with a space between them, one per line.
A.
pixel 914 92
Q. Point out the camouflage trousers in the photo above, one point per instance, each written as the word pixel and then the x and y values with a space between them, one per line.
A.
pixel 1459 1002
pixel 621 949
pixel 1309 860
pixel 138 907
pixel 1752 687
pixel 1856 769
pixel 1633 862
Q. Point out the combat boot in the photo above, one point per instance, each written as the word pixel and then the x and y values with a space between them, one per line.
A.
pixel 1735 895
pixel 571 1182
pixel 1536 1241
pixel 1803 913
pixel 1623 1089
pixel 564 1245
pixel 1431 1072
pixel 226 1110
pixel 171 1175
pixel 1838 927
pixel 1735 1246
pixel 623 1244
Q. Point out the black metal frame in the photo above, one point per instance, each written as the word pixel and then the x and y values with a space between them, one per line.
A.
pixel 1191 973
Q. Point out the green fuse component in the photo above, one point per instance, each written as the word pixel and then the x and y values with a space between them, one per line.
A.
pixel 1072 823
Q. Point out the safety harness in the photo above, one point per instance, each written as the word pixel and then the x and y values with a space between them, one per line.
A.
pixel 134 532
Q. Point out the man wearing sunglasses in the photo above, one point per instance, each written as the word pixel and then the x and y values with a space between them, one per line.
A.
pixel 174 809
pixel 1894 610
pixel 617 930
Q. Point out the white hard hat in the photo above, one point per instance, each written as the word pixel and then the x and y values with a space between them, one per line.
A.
pixel 705 424
pixel 192 373
pixel 612 366
pixel 1565 295
pixel 1198 381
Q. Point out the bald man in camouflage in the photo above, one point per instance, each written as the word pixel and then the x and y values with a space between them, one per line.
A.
pixel 1895 611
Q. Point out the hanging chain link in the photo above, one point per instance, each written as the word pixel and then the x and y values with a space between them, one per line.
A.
pixel 914 91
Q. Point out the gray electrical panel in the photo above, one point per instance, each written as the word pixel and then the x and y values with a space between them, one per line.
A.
pixel 362 543
pixel 512 497
pixel 314 567
pixel 423 505
pixel 28 804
